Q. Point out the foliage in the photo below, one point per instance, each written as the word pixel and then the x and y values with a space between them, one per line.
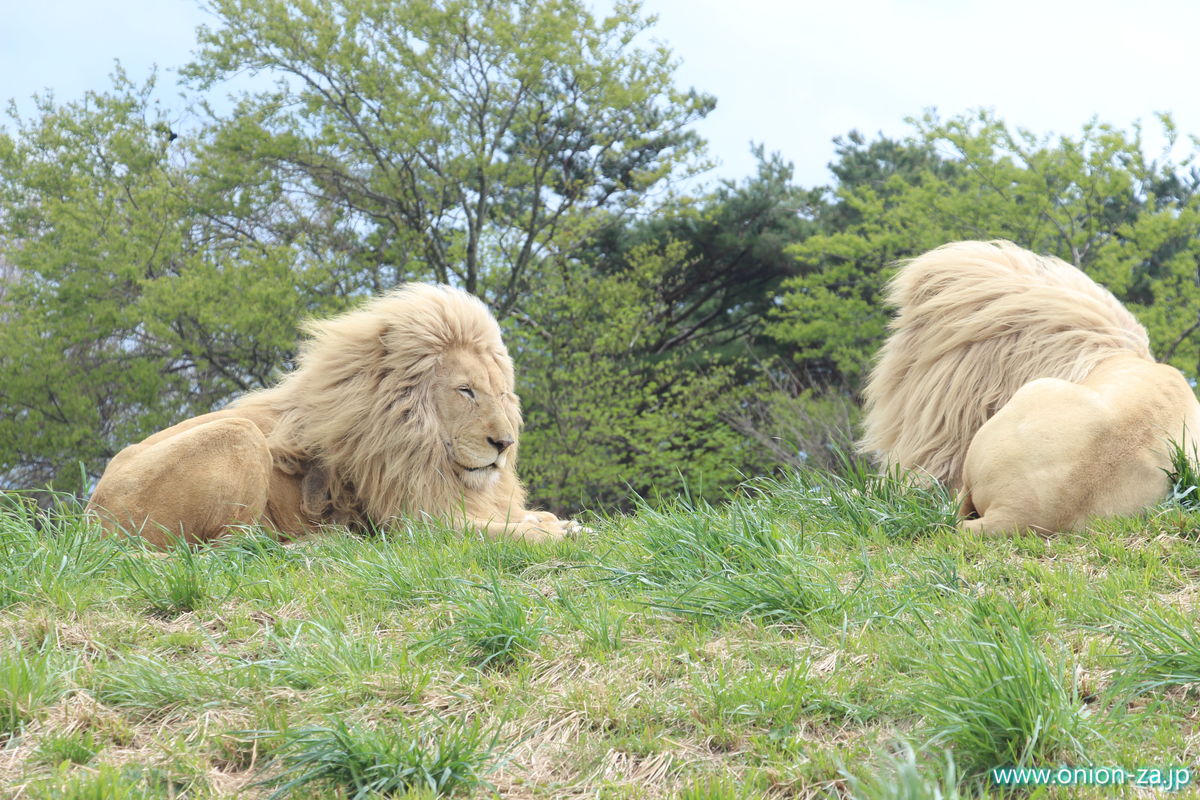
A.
pixel 609 418
pixel 1184 475
pixel 1161 648
pixel 155 686
pixel 494 624
pixel 108 782
pixel 49 557
pixel 639 361
pixel 180 583
pixel 856 497
pixel 77 748
pixel 905 777
pixel 796 426
pixel 734 255
pixel 443 759
pixel 29 680
pixel 135 302
pixel 477 142
pixel 1095 200
pixel 996 696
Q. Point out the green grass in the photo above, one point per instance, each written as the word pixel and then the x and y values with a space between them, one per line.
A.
pixel 75 748
pixel 1184 474
pixel 29 680
pixel 182 580
pixel 813 636
pixel 493 624
pixel 156 686
pixel 129 782
pixel 443 759
pixel 903 776
pixel 993 693
pixel 49 559
pixel 1161 649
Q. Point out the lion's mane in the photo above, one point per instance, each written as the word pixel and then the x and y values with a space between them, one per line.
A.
pixel 974 322
pixel 359 405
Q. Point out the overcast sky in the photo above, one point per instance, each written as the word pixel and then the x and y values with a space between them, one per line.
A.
pixel 791 75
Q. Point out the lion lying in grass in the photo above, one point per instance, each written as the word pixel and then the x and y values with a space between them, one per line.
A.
pixel 404 407
pixel 1018 380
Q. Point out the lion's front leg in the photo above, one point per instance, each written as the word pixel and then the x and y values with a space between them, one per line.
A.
pixel 531 526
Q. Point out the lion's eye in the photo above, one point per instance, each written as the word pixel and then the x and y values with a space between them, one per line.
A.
pixel 467 392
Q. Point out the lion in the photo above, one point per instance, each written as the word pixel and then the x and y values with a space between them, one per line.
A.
pixel 1019 381
pixel 404 407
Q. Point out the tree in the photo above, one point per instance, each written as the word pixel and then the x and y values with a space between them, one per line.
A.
pixel 830 316
pixel 608 416
pixel 1095 200
pixel 136 297
pixel 465 139
pixel 734 241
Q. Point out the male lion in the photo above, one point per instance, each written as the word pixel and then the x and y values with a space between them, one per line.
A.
pixel 403 407
pixel 1017 379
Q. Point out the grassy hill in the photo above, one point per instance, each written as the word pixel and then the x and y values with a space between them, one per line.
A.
pixel 815 637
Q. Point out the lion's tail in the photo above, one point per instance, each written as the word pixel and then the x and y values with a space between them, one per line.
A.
pixel 976 321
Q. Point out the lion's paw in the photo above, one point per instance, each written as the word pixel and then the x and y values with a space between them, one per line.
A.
pixel 574 528
pixel 544 526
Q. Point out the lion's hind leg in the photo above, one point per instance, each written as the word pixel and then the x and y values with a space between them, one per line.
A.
pixel 994 520
pixel 997 521
pixel 1023 466
pixel 194 485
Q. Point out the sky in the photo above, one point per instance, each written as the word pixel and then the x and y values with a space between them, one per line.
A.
pixel 789 75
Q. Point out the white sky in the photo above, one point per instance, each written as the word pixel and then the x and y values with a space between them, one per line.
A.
pixel 791 75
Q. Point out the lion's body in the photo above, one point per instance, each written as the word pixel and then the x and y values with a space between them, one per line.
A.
pixel 1022 382
pixel 404 407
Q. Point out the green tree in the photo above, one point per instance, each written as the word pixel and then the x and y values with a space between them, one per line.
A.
pixel 1095 200
pixel 735 239
pixel 466 140
pixel 642 364
pixel 133 297
pixel 608 415
pixel 830 315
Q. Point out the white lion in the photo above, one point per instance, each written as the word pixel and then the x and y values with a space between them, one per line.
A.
pixel 1019 380
pixel 404 407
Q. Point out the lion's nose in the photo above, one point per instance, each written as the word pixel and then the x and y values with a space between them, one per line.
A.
pixel 501 444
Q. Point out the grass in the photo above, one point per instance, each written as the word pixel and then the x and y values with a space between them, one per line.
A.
pixel 1184 474
pixel 443 759
pixel 74 748
pixel 182 581
pixel 904 776
pixel 812 636
pixel 318 654
pixel 29 681
pixel 494 624
pixel 49 559
pixel 1161 649
pixel 994 695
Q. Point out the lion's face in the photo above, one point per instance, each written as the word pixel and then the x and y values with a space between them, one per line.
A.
pixel 479 416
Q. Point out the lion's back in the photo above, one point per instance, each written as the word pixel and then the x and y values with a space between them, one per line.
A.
pixel 975 321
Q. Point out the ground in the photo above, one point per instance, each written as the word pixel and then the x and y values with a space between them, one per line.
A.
pixel 810 637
